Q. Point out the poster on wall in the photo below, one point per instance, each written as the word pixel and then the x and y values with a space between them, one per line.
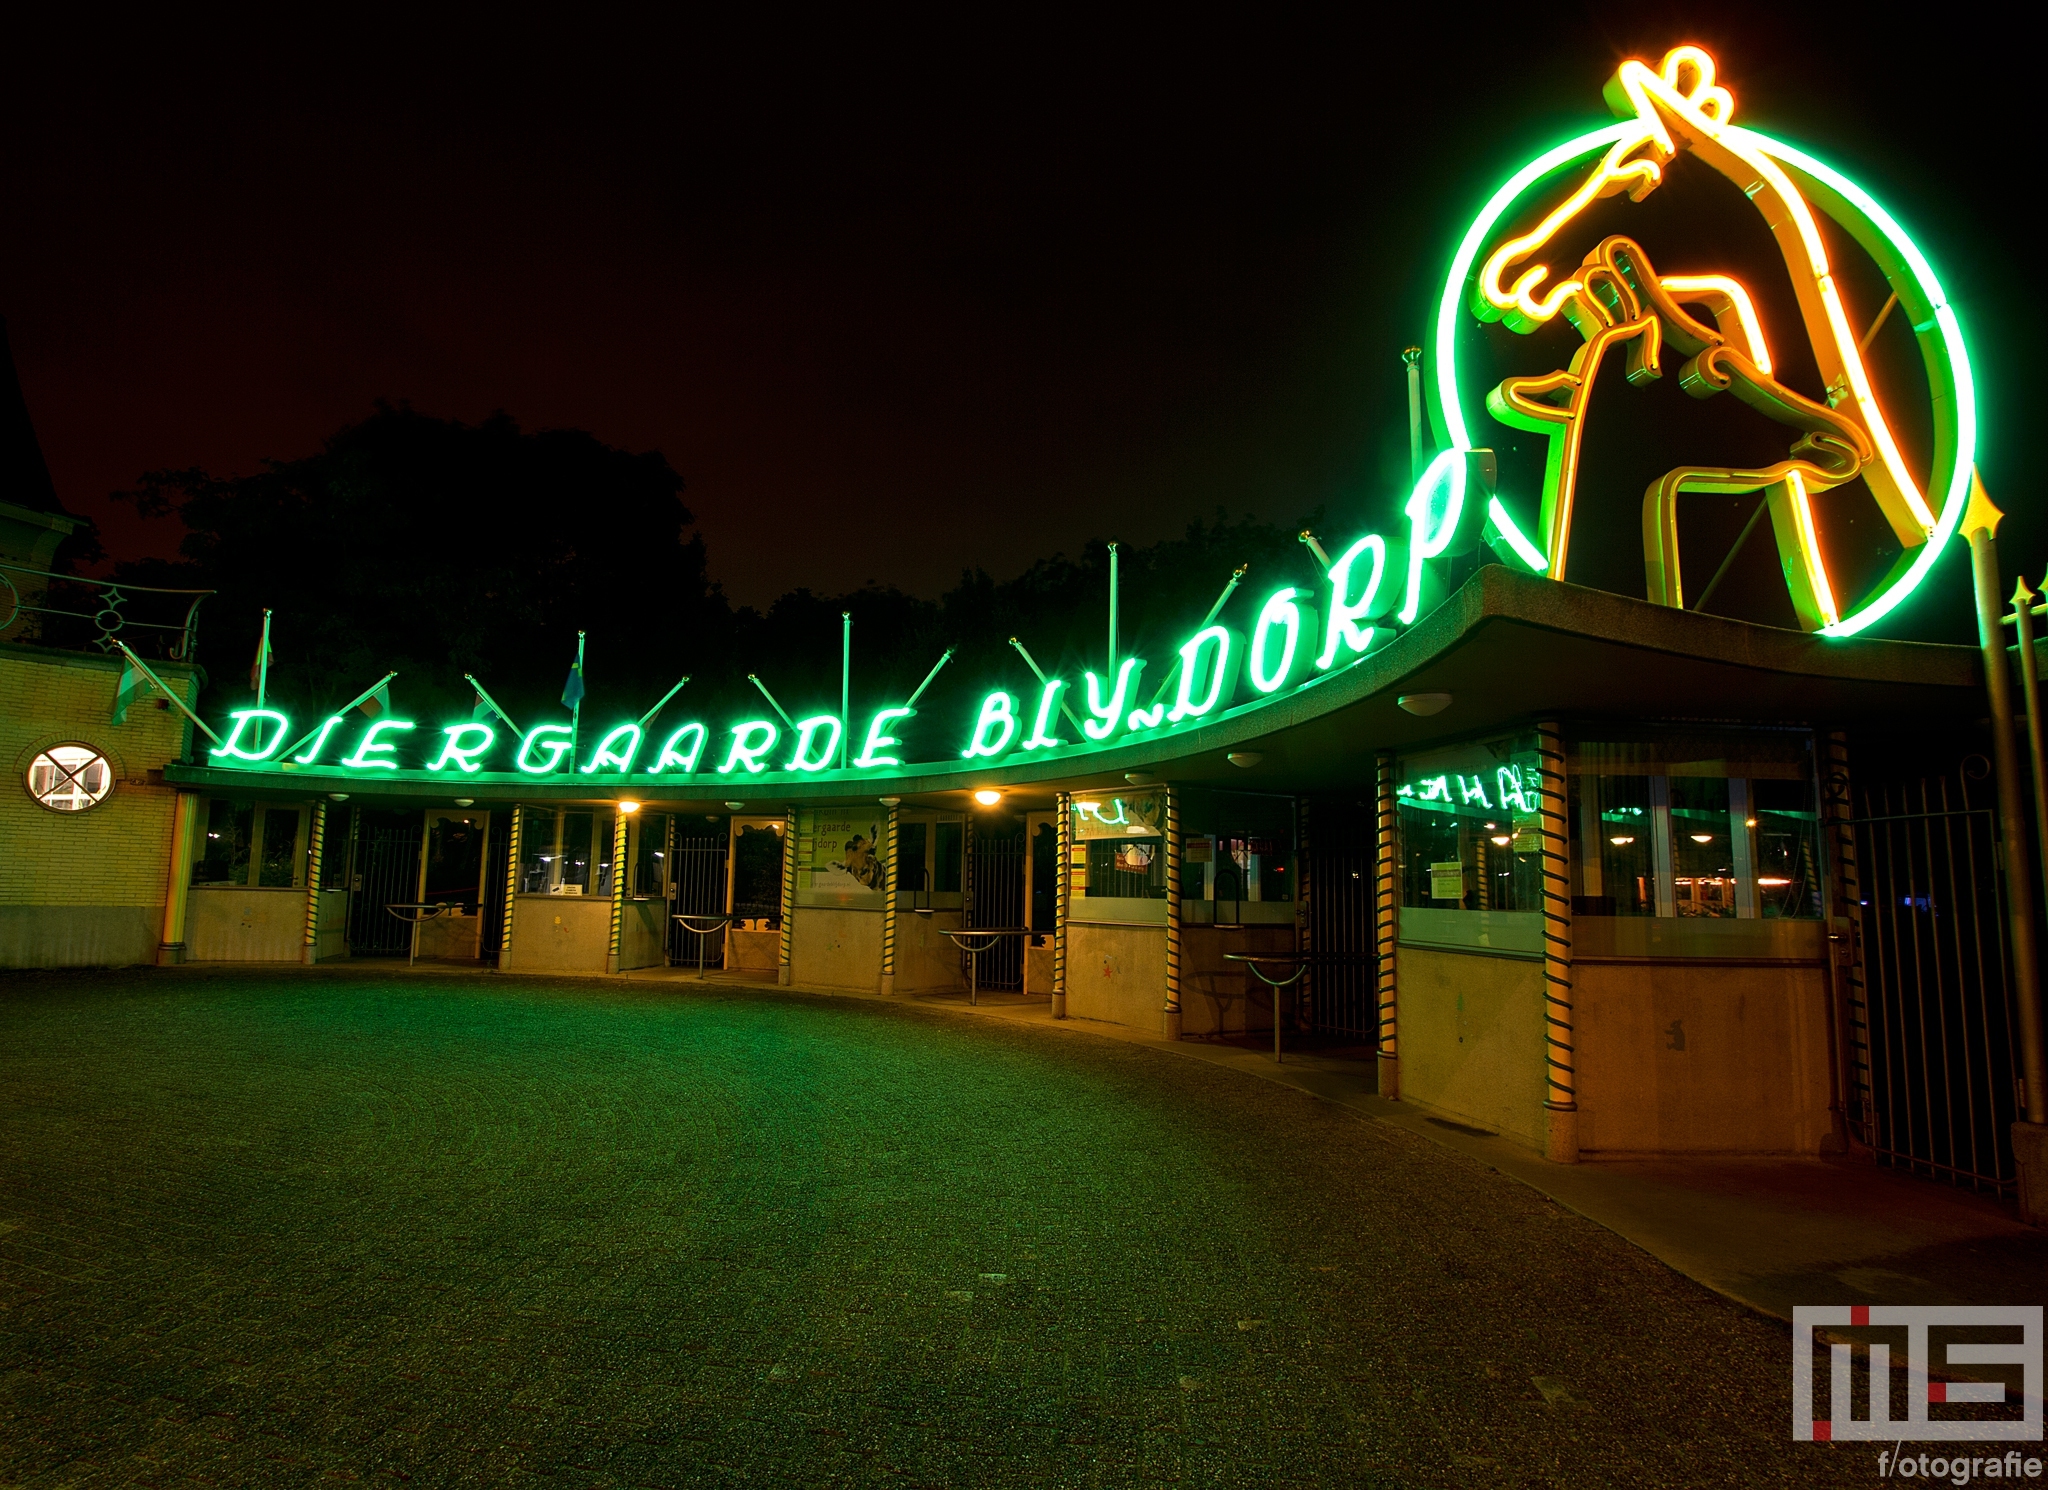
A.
pixel 844 864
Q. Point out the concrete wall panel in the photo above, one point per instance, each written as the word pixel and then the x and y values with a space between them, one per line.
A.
pixel 79 935
pixel 1678 1058
pixel 838 949
pixel 240 924
pixel 1118 974
pixel 559 934
pixel 1471 1039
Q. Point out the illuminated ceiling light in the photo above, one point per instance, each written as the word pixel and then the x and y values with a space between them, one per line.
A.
pixel 988 796
pixel 1139 778
pixel 1502 839
pixel 1749 822
pixel 1622 840
pixel 1422 705
pixel 337 796
pixel 1702 837
pixel 629 808
pixel 734 806
pixel 1245 759
pixel 467 802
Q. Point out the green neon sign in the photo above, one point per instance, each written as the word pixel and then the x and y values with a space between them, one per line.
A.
pixel 461 745
pixel 750 741
pixel 372 752
pixel 541 752
pixel 807 759
pixel 879 740
pixel 615 751
pixel 682 750
pixel 251 722
pixel 995 727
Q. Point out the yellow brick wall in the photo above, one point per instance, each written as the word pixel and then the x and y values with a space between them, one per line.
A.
pixel 115 854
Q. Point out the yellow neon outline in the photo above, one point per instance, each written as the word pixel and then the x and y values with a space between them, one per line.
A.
pixel 1937 326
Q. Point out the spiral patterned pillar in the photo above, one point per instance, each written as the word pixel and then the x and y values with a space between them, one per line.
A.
pixel 1304 923
pixel 620 872
pixel 1062 887
pixel 316 842
pixel 1386 923
pixel 889 901
pixel 1845 938
pixel 1172 1021
pixel 1562 1103
pixel 789 853
pixel 513 842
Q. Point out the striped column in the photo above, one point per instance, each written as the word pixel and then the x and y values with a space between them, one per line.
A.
pixel 1061 888
pixel 1304 921
pixel 185 831
pixel 1845 939
pixel 1562 1102
pixel 621 871
pixel 1172 1021
pixel 316 843
pixel 790 849
pixel 1386 911
pixel 512 851
pixel 889 901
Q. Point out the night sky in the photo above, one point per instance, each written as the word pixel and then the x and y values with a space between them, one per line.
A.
pixel 895 299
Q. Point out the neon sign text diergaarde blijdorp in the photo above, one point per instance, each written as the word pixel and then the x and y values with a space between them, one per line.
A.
pixel 1380 583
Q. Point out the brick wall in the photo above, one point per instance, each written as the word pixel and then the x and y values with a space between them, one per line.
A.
pixel 115 854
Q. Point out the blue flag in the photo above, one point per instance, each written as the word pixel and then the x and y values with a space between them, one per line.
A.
pixel 572 691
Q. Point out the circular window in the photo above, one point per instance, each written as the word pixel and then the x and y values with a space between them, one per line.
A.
pixel 70 778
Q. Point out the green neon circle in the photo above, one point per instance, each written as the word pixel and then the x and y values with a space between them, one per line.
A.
pixel 1452 414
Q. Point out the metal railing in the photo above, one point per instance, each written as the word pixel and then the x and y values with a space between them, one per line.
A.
pixel 1941 1079
pixel 76 612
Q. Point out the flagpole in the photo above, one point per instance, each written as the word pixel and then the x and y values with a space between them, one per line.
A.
pixel 755 679
pixel 648 718
pixel 845 682
pixel 576 709
pixel 470 678
pixel 181 706
pixel 353 703
pixel 263 660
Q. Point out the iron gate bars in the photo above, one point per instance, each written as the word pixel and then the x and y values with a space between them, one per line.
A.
pixel 1941 1091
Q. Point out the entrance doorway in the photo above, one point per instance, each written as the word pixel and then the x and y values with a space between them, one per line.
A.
pixel 384 869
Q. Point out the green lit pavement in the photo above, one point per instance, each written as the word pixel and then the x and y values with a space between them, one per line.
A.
pixel 307 1228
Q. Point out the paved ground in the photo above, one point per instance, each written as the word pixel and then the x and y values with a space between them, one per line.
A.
pixel 295 1229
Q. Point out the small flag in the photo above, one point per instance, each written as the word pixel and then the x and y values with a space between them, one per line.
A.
pixel 264 657
pixel 379 701
pixel 572 690
pixel 131 688
pixel 483 711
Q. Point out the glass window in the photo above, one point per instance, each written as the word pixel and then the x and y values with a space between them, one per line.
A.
pixel 540 850
pixel 1123 841
pixel 70 778
pixel 1718 825
pixel 650 856
pixel 911 847
pixel 455 857
pixel 757 873
pixel 949 838
pixel 1471 827
pixel 224 853
pixel 280 865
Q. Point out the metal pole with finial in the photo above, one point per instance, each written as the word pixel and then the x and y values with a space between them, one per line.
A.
pixel 845 682
pixel 1112 611
pixel 1411 358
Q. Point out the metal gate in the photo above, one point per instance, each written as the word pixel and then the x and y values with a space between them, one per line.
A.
pixel 697 881
pixel 1937 1071
pixel 385 871
pixel 996 869
pixel 1338 883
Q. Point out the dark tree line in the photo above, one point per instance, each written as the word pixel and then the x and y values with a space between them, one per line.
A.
pixel 441 548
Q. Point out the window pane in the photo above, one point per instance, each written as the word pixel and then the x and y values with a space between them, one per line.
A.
pixel 280 846
pixel 950 839
pixel 1788 879
pixel 575 868
pixel 1471 827
pixel 1617 872
pixel 538 857
pixel 1702 848
pixel 910 857
pixel 224 856
pixel 455 858
pixel 757 875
